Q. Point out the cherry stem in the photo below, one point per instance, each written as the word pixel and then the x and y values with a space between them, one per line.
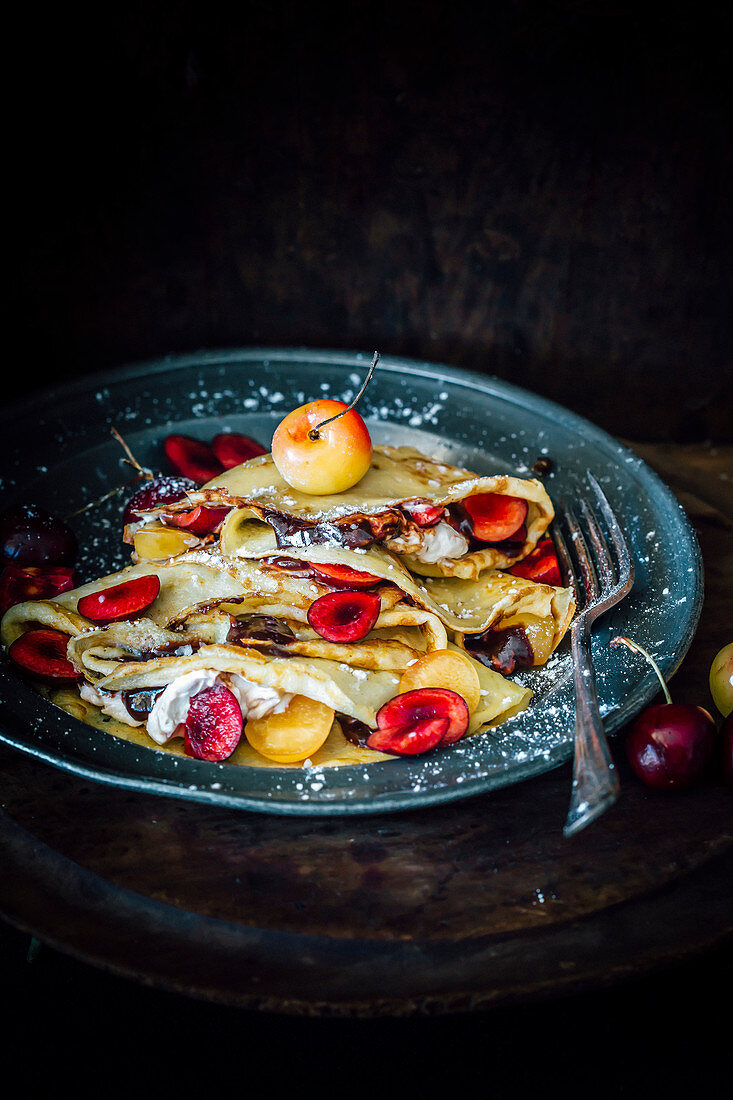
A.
pixel 636 648
pixel 94 503
pixel 313 433
pixel 142 472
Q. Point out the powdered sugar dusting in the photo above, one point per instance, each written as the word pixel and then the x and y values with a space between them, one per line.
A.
pixel 480 424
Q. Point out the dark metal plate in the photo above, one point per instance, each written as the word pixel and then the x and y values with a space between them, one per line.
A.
pixel 58 452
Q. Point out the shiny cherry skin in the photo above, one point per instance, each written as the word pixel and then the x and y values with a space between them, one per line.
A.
pixel 330 461
pixel 164 489
pixel 30 535
pixel 670 745
pixel 721 680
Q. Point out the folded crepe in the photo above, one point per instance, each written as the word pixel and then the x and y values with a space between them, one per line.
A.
pixel 380 510
pixel 478 611
pixel 231 622
pixel 196 583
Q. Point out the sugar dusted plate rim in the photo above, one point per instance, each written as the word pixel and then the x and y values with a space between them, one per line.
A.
pixel 469 418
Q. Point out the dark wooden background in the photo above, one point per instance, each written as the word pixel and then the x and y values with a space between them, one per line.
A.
pixel 539 190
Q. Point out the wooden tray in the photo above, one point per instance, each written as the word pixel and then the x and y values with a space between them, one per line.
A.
pixel 448 908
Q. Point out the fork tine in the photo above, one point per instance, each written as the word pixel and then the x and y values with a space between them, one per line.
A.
pixel 585 561
pixel 595 782
pixel 625 565
pixel 604 561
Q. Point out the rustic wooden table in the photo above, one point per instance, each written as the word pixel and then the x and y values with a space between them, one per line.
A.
pixel 453 908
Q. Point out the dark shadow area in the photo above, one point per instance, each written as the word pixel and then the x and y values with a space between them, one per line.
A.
pixel 663 1035
pixel 537 191
pixel 540 191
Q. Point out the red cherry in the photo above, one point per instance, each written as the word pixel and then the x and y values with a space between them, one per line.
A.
pixel 32 582
pixel 424 514
pixel 343 575
pixel 670 745
pixel 494 517
pixel 30 535
pixel 213 724
pixel 192 458
pixel 403 711
pixel 42 654
pixel 122 601
pixel 231 448
pixel 541 565
pixel 200 521
pixel 409 740
pixel 161 490
pixel 344 616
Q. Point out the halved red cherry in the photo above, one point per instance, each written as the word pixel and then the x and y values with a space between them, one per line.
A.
pixel 403 711
pixel 344 575
pixel 32 582
pixel 200 521
pixel 122 601
pixel 192 458
pixel 541 565
pixel 231 448
pixel 409 740
pixel 165 489
pixel 495 517
pixel 344 616
pixel 424 514
pixel 213 724
pixel 42 654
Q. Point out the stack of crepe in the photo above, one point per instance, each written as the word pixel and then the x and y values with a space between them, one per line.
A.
pixel 233 608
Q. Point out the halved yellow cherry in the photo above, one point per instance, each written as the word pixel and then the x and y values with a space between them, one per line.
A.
pixel 293 734
pixel 322 458
pixel 444 668
pixel 540 631
pixel 156 541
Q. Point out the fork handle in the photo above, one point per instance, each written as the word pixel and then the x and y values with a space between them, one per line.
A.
pixel 595 782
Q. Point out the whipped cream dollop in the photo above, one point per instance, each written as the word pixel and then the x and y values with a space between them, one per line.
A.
pixel 431 544
pixel 171 707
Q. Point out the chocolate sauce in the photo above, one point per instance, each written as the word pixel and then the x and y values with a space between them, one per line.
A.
pixel 354 731
pixel 276 634
pixel 503 650
pixel 543 466
pixel 510 548
pixel 352 534
pixel 290 565
pixel 139 704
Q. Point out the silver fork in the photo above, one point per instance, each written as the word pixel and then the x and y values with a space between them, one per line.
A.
pixel 599 582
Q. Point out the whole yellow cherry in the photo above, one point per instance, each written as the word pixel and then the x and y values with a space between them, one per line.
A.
pixel 322 458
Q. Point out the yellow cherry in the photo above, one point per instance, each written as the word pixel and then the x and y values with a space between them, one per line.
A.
pixel 292 735
pixel 322 458
pixel 444 668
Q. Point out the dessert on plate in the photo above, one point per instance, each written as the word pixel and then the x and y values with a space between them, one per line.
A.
pixel 263 624
pixel 440 520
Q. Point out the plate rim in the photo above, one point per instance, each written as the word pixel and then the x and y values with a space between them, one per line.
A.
pixel 388 802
